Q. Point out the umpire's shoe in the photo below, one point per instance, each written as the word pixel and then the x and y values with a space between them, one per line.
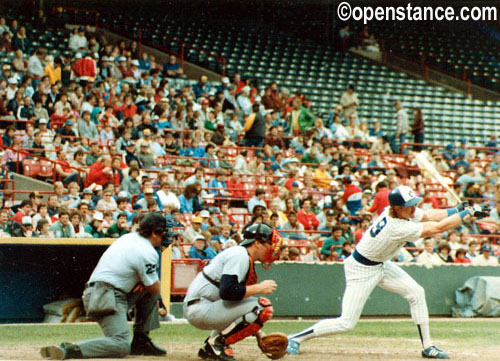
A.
pixel 434 352
pixel 64 351
pixel 216 350
pixel 142 345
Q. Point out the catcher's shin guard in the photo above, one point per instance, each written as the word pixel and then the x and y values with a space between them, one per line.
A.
pixel 248 324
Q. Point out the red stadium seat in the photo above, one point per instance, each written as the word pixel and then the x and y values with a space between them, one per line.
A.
pixel 46 169
pixel 31 168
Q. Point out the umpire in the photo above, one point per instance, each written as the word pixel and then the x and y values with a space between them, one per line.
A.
pixel 126 275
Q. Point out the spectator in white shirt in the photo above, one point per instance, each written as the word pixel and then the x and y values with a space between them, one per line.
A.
pixel 35 66
pixel 428 257
pixel 486 258
pixel 77 40
pixel 167 198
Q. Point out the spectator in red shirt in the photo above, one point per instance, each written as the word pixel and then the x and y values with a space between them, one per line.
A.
pixel 237 81
pixel 292 174
pixel 24 211
pixel 100 172
pixel 381 199
pixel 429 202
pixel 460 256
pixel 306 217
pixel 365 222
pixel 224 211
pixel 62 166
pixel 352 196
pixel 274 138
pixel 236 187
pixel 128 109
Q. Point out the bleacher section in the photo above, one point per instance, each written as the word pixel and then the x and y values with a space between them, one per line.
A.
pixel 462 49
pixel 323 74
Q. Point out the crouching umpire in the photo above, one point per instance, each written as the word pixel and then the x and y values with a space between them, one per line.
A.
pixel 222 296
pixel 126 275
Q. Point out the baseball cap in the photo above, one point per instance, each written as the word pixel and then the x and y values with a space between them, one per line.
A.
pixel 6 67
pixel 78 56
pixel 245 89
pixel 204 214
pixel 98 216
pixel 197 220
pixel 330 212
pixel 69 122
pixel 12 80
pixel 134 62
pixel 26 220
pixel 199 238
pixel 334 183
pixel 122 194
pixel 486 248
pixel 87 191
pixel 149 191
pixel 205 101
pixel 130 144
pixel 35 194
pixel 43 121
pixel 345 220
pixel 225 80
pixel 295 184
pixel 147 132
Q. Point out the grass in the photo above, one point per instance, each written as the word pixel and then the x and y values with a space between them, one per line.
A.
pixel 475 333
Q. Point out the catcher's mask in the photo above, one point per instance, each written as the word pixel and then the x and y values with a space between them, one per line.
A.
pixel 264 233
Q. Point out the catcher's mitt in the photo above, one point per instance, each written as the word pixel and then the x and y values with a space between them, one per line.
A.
pixel 273 345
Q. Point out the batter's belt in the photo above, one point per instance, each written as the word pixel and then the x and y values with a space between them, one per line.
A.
pixel 363 260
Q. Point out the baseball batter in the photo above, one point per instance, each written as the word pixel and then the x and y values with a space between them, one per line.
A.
pixel 126 275
pixel 370 266
pixel 222 297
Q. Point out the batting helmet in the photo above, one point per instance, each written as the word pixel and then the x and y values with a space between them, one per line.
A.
pixel 403 196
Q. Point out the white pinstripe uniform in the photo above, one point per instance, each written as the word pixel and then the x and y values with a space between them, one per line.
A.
pixel 379 244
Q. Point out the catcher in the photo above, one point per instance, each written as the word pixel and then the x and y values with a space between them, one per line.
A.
pixel 222 297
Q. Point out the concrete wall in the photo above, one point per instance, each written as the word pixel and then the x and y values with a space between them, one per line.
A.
pixel 30 184
pixel 317 289
pixel 33 275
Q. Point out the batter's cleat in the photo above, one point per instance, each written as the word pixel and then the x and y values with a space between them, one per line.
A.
pixel 63 352
pixel 293 347
pixel 216 350
pixel 143 345
pixel 434 352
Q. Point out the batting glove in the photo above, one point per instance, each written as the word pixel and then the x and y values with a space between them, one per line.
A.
pixel 480 211
pixel 461 206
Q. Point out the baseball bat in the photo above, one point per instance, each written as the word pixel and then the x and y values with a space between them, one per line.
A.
pixel 424 164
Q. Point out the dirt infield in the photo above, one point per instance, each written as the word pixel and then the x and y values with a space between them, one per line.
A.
pixel 343 348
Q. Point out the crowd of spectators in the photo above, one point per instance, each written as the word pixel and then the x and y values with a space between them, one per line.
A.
pixel 127 135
